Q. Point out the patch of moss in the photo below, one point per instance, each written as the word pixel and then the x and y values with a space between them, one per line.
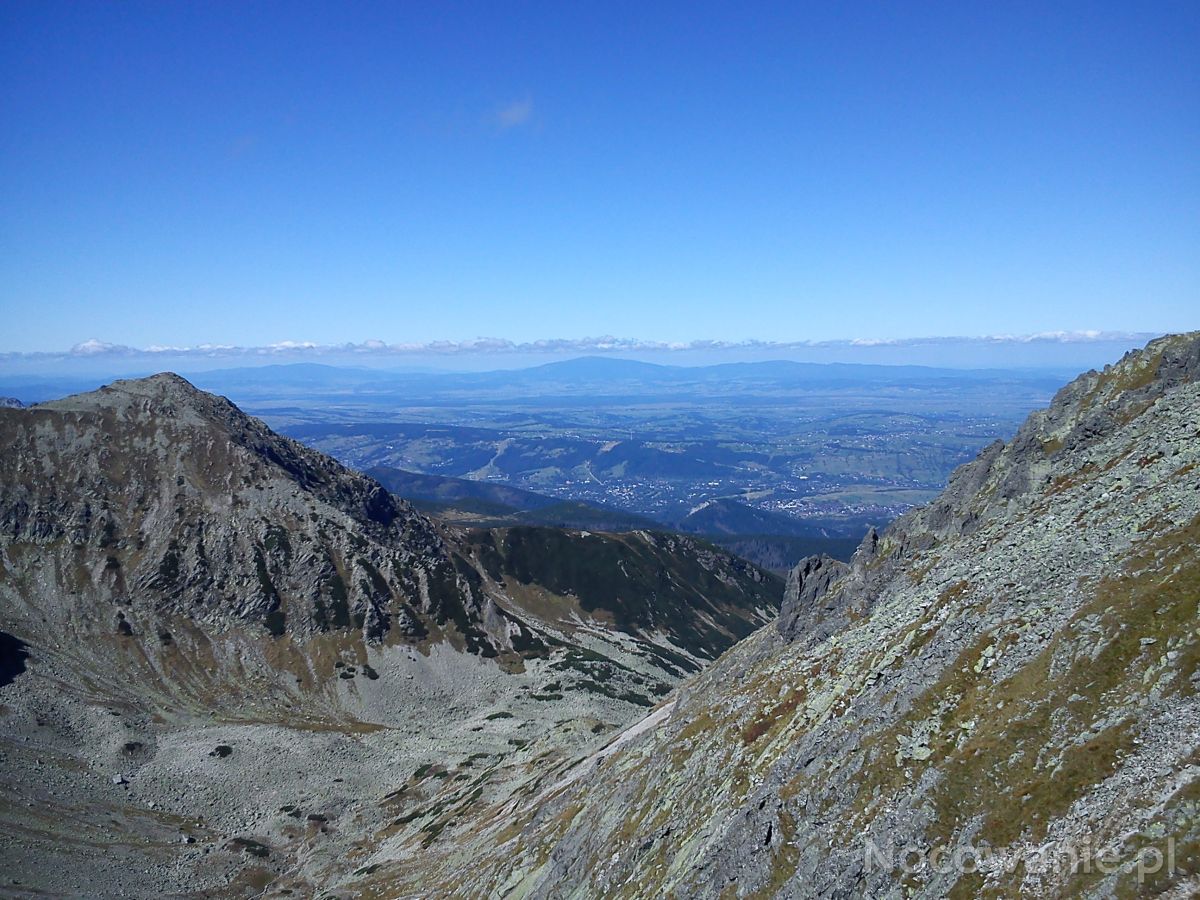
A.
pixel 779 714
pixel 1052 446
pixel 252 847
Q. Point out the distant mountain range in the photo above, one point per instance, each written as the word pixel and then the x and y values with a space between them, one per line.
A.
pixel 586 375
pixel 597 377
pixel 1072 349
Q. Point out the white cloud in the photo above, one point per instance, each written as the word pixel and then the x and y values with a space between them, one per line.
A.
pixel 510 115
pixel 94 347
pixel 603 344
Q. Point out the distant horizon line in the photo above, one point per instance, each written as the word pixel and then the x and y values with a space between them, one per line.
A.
pixel 94 349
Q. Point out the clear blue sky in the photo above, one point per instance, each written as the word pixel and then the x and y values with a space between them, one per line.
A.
pixel 247 173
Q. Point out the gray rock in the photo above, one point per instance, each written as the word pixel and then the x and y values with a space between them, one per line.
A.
pixel 808 584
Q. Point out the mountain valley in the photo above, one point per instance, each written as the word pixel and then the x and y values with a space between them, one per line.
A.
pixel 234 667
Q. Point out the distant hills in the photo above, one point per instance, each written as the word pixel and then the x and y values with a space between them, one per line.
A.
pixel 488 503
pixel 592 377
pixel 588 375
pixel 770 540
pixel 726 516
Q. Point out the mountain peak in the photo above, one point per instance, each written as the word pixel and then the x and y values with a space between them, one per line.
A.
pixel 165 394
pixel 160 384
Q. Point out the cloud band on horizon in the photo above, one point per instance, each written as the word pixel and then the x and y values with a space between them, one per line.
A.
pixel 96 349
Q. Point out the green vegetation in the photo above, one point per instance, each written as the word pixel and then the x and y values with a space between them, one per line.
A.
pixel 640 583
pixel 1012 766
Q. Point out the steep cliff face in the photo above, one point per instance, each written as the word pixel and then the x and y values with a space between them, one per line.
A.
pixel 803 615
pixel 175 577
pixel 1011 686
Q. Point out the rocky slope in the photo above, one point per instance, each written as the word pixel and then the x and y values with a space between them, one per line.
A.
pixel 998 697
pixel 256 662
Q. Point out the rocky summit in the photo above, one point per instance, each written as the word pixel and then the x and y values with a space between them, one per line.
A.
pixel 234 668
pixel 231 663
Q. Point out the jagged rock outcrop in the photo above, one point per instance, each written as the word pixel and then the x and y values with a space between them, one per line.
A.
pixel 802 613
pixel 1081 415
pixel 1008 708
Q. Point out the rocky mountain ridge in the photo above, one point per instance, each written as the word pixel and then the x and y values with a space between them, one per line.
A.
pixel 997 697
pixel 202 511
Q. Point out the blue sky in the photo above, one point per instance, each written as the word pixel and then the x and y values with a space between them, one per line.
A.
pixel 183 174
